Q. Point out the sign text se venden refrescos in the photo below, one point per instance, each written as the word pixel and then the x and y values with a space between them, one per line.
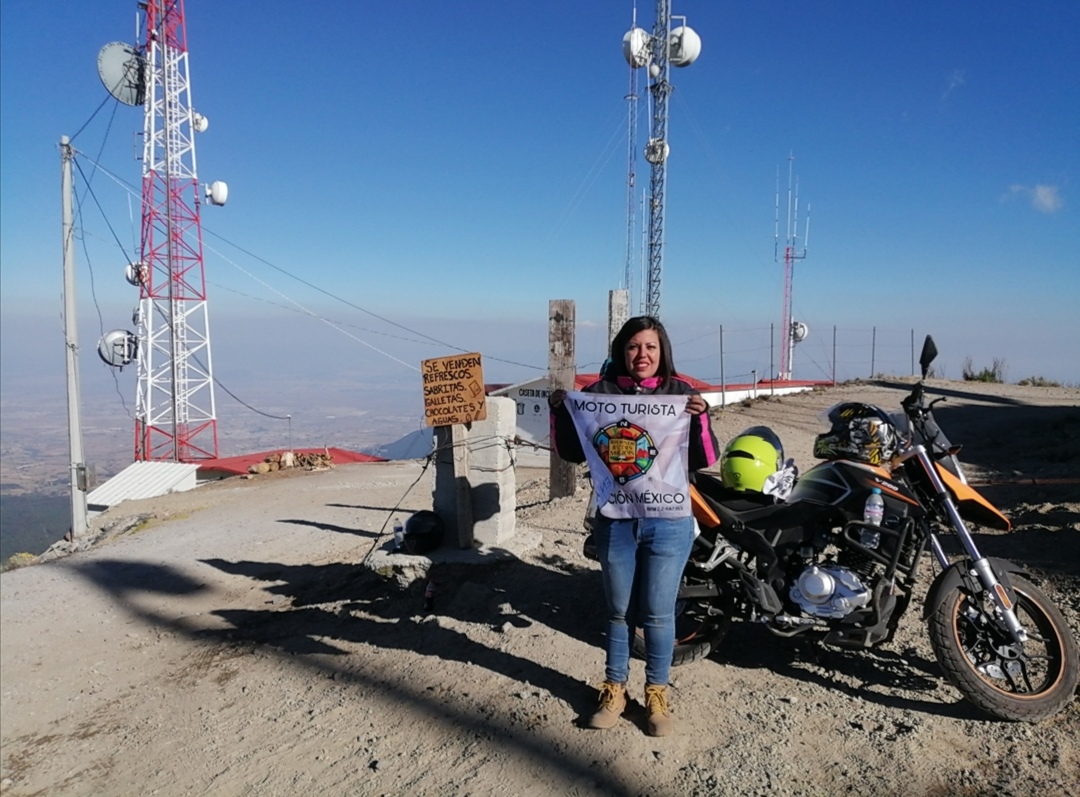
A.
pixel 453 389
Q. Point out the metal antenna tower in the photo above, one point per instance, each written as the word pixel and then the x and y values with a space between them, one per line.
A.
pixel 664 48
pixel 175 412
pixel 792 330
pixel 631 176
pixel 656 153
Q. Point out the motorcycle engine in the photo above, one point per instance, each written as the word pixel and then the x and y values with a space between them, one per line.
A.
pixel 830 591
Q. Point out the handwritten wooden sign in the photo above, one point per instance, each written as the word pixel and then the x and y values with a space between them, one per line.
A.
pixel 453 390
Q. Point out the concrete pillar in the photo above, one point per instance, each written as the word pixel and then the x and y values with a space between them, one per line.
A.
pixel 618 311
pixel 561 373
pixel 492 482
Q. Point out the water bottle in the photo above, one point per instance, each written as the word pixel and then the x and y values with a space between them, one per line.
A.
pixel 874 510
pixel 429 596
pixel 399 535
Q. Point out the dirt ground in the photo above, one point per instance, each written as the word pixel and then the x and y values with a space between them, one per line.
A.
pixel 231 641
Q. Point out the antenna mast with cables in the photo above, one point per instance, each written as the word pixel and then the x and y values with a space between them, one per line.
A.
pixel 664 48
pixel 175 411
pixel 792 330
pixel 631 174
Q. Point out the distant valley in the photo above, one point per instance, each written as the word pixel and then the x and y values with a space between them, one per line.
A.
pixel 34 460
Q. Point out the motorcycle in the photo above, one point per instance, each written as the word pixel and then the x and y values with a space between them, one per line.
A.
pixel 812 566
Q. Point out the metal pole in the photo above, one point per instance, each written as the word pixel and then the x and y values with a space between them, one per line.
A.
pixel 723 384
pixel 75 440
pixel 772 361
pixel 834 354
pixel 873 350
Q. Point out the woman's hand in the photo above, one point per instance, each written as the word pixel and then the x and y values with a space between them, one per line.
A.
pixel 556 398
pixel 696 405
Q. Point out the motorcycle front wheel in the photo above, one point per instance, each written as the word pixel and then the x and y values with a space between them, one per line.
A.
pixel 1027 682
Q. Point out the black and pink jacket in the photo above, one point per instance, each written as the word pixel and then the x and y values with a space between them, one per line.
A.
pixel 704 449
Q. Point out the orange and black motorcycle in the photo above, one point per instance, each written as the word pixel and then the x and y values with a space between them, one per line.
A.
pixel 813 565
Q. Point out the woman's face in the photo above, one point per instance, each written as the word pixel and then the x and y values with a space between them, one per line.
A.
pixel 643 354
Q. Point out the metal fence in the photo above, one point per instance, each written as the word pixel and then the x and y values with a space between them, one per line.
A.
pixel 749 354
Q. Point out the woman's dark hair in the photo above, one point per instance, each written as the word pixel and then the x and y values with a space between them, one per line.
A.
pixel 631 328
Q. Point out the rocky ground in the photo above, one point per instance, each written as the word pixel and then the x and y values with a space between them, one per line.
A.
pixel 229 641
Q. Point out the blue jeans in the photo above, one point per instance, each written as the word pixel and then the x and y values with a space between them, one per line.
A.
pixel 641 563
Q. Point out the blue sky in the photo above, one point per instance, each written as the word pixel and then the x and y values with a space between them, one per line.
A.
pixel 453 166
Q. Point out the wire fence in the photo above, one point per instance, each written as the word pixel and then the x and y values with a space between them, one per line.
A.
pixel 750 354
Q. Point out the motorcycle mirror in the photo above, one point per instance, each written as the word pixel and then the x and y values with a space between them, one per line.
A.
pixel 929 352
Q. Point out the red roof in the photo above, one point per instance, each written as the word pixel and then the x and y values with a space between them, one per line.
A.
pixel 241 463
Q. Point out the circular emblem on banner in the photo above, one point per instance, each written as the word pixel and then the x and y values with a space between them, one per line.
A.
pixel 627 449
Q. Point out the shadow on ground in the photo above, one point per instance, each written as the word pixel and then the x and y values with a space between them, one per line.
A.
pixel 351 604
pixel 904 680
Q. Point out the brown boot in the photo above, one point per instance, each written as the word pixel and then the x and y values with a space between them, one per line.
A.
pixel 612 702
pixel 656 704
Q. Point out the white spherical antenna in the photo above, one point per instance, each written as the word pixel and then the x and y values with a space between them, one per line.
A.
pixel 635 47
pixel 657 150
pixel 123 71
pixel 654 70
pixel 118 348
pixel 135 273
pixel 217 193
pixel 199 122
pixel 684 46
pixel 799 331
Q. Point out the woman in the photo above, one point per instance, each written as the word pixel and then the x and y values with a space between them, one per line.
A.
pixel 641 559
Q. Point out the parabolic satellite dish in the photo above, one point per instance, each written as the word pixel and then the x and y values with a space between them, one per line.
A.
pixel 123 71
pixel 799 331
pixel 684 46
pixel 657 150
pixel 118 348
pixel 636 47
pixel 136 273
pixel 217 193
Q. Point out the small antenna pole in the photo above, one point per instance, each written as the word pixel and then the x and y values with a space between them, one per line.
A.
pixel 792 331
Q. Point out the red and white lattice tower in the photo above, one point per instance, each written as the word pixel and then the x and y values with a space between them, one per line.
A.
pixel 792 331
pixel 175 415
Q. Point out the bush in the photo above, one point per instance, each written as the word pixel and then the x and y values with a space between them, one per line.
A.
pixel 1038 381
pixel 18 560
pixel 995 373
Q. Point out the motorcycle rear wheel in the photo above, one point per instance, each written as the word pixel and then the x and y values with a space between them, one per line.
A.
pixel 697 632
pixel 1024 683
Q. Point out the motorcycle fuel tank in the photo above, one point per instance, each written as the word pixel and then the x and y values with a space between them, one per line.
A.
pixel 844 484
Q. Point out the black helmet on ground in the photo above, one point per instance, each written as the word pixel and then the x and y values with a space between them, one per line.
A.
pixel 424 532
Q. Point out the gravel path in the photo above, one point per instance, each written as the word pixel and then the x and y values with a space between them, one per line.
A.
pixel 235 645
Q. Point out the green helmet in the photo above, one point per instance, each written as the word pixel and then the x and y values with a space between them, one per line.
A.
pixel 750 458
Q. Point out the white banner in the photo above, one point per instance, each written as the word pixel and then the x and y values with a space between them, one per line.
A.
pixel 636 448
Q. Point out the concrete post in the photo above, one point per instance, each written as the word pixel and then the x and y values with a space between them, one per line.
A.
pixel 561 372
pixel 491 478
pixel 618 310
